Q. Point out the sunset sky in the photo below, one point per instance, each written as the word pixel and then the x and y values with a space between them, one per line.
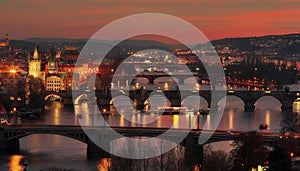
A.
pixel 82 18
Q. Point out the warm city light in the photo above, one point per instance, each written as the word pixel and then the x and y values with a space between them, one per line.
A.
pixel 13 71
pixel 80 91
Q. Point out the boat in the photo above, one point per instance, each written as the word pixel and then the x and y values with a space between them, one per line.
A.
pixel 263 126
pixel 173 110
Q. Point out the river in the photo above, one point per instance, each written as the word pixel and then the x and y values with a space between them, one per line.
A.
pixel 43 151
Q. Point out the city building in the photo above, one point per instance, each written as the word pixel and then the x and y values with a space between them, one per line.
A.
pixel 69 81
pixel 59 74
pixel 52 66
pixel 12 86
pixel 34 64
pixel 4 47
pixel 53 82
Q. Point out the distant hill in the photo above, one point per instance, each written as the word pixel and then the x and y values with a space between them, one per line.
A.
pixel 287 45
pixel 38 39
pixel 247 42
pixel 149 44
pixel 125 44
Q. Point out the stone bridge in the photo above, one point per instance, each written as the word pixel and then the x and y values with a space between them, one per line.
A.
pixel 104 98
pixel 9 136
pixel 152 76
pixel 176 98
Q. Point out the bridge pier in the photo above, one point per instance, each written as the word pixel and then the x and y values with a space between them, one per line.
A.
pixel 151 80
pixel 175 102
pixel 11 146
pixel 67 101
pixel 181 81
pixel 193 153
pixel 287 104
pixel 286 108
pixel 103 104
pixel 138 104
pixel 249 107
pixel 104 107
pixel 95 152
pixel 214 106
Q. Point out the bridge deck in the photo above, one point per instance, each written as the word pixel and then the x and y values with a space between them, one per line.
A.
pixel 132 131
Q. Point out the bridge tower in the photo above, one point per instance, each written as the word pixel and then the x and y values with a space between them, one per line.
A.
pixel 34 63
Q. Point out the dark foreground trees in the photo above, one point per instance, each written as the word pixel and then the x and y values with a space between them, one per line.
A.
pixel 279 160
pixel 35 90
pixel 249 151
pixel 281 157
pixel 216 160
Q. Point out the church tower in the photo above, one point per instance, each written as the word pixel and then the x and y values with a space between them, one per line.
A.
pixel 34 63
pixel 52 63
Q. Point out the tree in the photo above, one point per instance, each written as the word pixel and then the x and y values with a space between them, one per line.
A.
pixel 280 157
pixel 250 150
pixel 279 160
pixel 35 90
pixel 216 160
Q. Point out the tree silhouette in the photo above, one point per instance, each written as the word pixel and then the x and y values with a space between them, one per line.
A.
pixel 250 150
pixel 279 159
pixel 36 90
pixel 216 160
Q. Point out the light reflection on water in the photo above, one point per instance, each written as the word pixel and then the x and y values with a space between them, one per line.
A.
pixel 53 150
pixel 104 164
pixel 15 161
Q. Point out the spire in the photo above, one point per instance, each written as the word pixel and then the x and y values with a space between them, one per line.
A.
pixel 36 52
pixel 6 37
pixel 52 54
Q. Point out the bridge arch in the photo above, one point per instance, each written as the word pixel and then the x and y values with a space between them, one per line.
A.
pixel 58 140
pixel 156 100
pixel 232 100
pixel 264 98
pixel 119 99
pixel 81 98
pixel 166 79
pixel 76 136
pixel 141 80
pixel 192 99
pixel 191 79
pixel 52 97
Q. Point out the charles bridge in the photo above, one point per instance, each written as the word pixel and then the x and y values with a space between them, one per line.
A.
pixel 104 98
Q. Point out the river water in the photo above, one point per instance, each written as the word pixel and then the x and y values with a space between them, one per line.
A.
pixel 43 151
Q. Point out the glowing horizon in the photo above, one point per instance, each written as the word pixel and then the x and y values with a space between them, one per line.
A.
pixel 217 19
